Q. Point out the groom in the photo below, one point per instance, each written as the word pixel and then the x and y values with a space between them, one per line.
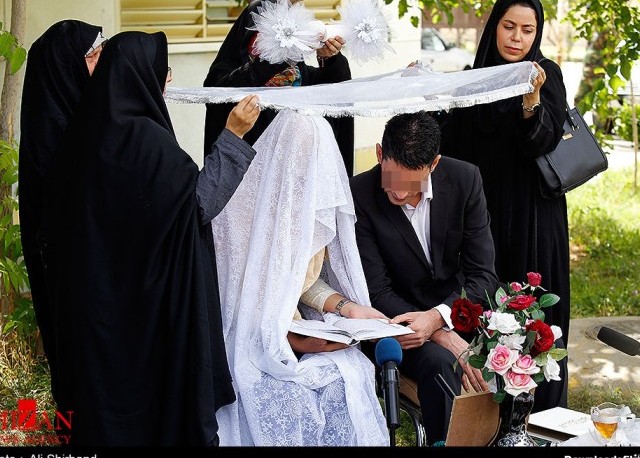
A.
pixel 423 234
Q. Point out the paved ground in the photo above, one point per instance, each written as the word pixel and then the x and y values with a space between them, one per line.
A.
pixel 592 362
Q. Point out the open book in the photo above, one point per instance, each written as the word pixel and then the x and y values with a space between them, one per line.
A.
pixel 349 331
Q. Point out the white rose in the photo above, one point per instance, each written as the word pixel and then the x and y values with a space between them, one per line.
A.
pixel 551 369
pixel 513 341
pixel 557 332
pixel 504 323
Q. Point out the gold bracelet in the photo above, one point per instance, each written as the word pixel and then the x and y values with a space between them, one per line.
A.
pixel 341 304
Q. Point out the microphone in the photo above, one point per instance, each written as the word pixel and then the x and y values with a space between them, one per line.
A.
pixel 616 340
pixel 388 356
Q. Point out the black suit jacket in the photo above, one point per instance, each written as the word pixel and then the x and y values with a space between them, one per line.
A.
pixel 398 275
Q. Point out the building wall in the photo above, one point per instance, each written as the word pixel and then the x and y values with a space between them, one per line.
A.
pixel 190 63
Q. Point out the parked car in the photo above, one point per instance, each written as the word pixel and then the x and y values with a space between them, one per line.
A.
pixel 441 55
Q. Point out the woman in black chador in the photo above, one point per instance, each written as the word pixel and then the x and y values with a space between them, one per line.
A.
pixel 236 65
pixel 60 63
pixel 503 138
pixel 132 282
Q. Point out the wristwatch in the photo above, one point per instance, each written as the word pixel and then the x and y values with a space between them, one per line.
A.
pixel 532 109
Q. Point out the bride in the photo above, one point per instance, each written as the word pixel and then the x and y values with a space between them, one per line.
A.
pixel 292 203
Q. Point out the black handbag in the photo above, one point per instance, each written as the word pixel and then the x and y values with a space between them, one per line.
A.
pixel 577 158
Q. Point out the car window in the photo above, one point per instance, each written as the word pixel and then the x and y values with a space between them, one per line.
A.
pixel 431 42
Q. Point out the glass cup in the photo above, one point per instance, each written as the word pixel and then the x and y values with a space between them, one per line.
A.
pixel 605 418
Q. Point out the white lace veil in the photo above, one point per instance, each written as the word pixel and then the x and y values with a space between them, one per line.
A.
pixel 407 90
pixel 293 201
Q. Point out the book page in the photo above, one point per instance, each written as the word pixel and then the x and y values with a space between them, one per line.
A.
pixel 371 328
pixel 321 330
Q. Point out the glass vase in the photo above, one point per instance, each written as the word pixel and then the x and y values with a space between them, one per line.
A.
pixel 512 432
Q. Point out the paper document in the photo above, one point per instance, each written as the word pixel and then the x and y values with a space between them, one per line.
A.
pixel 567 421
pixel 349 331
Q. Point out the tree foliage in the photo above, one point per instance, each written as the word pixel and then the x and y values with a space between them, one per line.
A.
pixel 616 24
pixel 14 54
pixel 16 312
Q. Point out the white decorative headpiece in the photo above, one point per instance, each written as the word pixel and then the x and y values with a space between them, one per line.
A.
pixel 287 33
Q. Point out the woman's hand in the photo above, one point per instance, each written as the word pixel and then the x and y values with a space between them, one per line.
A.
pixel 533 99
pixel 243 116
pixel 354 310
pixel 331 48
pixel 304 344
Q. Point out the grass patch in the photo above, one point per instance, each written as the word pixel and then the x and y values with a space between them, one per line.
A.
pixel 605 246
pixel 582 398
pixel 24 376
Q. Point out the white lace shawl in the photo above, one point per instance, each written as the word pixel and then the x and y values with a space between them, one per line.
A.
pixel 407 90
pixel 294 200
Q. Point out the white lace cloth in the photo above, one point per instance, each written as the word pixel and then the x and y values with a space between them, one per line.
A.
pixel 407 90
pixel 293 200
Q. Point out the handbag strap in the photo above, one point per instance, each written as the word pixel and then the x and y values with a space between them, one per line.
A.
pixel 571 121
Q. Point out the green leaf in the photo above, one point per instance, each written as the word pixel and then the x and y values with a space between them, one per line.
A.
pixel 477 361
pixel 537 315
pixel 616 83
pixel 558 353
pixel 548 299
pixel 415 21
pixel 528 342
pixel 538 378
pixel 487 375
pixel 7 41
pixel 463 293
pixel 17 59
pixel 625 69
pixel 402 8
pixel 499 396
pixel 500 295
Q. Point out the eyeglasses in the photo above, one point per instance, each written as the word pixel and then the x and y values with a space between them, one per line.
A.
pixel 95 49
pixel 169 75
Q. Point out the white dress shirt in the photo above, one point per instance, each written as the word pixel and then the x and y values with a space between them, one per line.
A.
pixel 420 219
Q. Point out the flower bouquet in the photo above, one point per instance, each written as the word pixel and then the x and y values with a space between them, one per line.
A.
pixel 514 347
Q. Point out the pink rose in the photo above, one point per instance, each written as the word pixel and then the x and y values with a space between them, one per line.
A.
pixel 515 286
pixel 534 279
pixel 500 359
pixel 522 302
pixel 518 383
pixel 525 365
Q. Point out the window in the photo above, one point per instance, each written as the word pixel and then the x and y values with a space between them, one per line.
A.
pixel 187 21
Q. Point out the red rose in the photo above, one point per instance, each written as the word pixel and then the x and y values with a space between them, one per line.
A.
pixel 465 314
pixel 534 279
pixel 521 302
pixel 544 337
